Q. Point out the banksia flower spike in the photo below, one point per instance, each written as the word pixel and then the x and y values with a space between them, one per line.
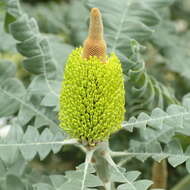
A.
pixel 92 94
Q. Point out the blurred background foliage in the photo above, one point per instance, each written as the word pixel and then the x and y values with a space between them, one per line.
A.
pixel 66 21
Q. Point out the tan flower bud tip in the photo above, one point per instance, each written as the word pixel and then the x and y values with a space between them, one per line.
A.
pixel 95 12
pixel 95 45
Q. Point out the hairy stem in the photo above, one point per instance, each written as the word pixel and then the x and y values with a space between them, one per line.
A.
pixel 87 162
pixel 102 165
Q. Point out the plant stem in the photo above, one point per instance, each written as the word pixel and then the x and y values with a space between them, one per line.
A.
pixel 184 184
pixel 160 174
pixel 102 165
pixel 87 162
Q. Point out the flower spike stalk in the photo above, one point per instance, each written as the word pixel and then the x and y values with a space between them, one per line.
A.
pixel 92 93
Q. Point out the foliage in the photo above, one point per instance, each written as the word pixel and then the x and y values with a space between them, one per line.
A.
pixel 156 120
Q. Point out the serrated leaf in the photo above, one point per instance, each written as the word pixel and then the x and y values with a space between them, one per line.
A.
pixel 41 86
pixel 57 137
pixel 117 176
pixel 75 179
pixel 30 143
pixel 50 100
pixel 175 47
pixel 155 147
pixel 132 175
pixel 44 149
pixel 42 186
pixel 158 123
pixel 161 127
pixel 143 184
pixel 25 115
pixel 31 136
pixel 138 185
pixel 179 157
pixel 14 136
pixel 176 119
pixel 7 70
pixel 11 90
pixel 31 44
pixel 57 180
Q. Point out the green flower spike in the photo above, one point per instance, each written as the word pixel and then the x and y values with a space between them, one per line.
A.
pixel 92 94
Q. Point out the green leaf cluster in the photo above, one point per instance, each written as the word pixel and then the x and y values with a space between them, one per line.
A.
pixel 156 120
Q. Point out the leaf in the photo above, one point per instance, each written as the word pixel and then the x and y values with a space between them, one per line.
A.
pixel 75 179
pixel 24 29
pixel 172 151
pixel 40 86
pixel 31 143
pixel 153 137
pixel 118 176
pixel 161 122
pixel 161 126
pixel 50 18
pixel 50 100
pixel 42 186
pixel 41 96
pixel 76 21
pixel 175 148
pixel 141 184
pixel 7 70
pixel 25 114
pixel 8 155
pixel 44 149
pixel 18 167
pixel 13 11
pixel 31 44
pixel 9 46
pixel 57 180
pixel 174 48
pixel 155 147
pixel 60 52
pixel 129 179
pixel 11 91
pixel 31 136
pixel 144 92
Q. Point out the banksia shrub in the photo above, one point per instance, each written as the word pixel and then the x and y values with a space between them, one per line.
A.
pixel 92 94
